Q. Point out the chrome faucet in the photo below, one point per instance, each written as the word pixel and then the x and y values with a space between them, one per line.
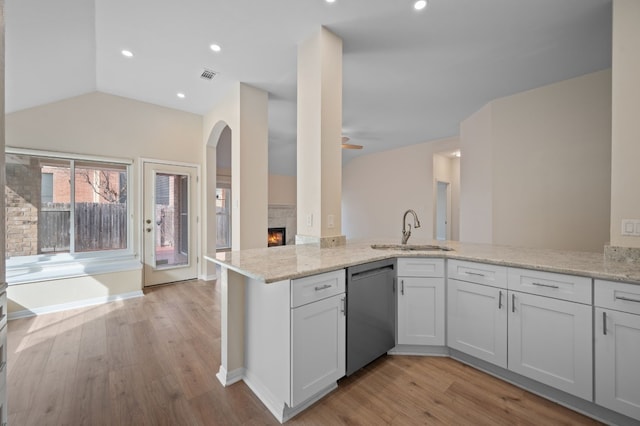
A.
pixel 416 224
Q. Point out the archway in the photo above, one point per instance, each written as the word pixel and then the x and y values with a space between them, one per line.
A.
pixel 218 194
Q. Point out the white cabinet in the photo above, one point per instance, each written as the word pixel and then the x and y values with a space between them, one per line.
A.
pixel 421 302
pixel 550 341
pixel 477 320
pixel 317 347
pixel 617 347
pixel 545 336
pixel 551 329
pixel 318 334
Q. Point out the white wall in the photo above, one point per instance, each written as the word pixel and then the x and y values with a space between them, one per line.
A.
pixel 476 177
pixel 378 188
pixel 536 167
pixel 625 177
pixel 102 125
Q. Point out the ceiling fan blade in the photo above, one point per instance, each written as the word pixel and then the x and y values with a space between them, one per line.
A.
pixel 351 146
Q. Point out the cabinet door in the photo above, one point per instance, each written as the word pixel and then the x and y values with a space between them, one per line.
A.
pixel 421 311
pixel 477 321
pixel 617 352
pixel 317 347
pixel 551 341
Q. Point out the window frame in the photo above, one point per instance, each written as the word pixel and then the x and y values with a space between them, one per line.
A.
pixel 21 269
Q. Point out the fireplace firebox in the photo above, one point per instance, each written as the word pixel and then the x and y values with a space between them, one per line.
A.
pixel 277 237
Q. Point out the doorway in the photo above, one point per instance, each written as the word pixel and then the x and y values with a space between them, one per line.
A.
pixel 170 222
pixel 442 211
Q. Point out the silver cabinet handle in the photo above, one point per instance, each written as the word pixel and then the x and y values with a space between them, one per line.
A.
pixel 545 285
pixel 402 287
pixel 604 323
pixel 477 274
pixel 500 299
pixel 344 306
pixel 627 299
pixel 513 302
pixel 323 287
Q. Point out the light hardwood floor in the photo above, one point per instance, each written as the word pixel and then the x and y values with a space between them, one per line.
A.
pixel 152 361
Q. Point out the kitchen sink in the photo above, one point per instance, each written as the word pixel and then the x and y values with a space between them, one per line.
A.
pixel 411 247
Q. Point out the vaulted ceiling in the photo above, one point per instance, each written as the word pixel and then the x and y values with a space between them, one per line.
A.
pixel 409 77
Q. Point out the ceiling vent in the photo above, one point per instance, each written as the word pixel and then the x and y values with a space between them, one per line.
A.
pixel 208 74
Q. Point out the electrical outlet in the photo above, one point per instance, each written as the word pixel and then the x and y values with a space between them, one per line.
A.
pixel 630 227
pixel 310 220
pixel 330 221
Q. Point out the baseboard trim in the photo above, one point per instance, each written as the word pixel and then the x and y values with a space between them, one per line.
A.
pixel 228 378
pixel 25 313
pixel 212 277
pixel 419 350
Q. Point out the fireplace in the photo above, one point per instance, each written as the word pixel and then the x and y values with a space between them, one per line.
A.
pixel 277 237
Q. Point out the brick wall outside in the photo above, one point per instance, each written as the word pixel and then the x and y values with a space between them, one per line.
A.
pixel 22 195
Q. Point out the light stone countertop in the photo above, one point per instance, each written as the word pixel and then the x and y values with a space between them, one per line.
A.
pixel 296 261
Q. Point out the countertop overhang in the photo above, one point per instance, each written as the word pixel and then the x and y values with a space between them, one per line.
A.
pixel 295 261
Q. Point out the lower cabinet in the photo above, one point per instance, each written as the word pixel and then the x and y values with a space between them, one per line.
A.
pixel 421 302
pixel 421 311
pixel 550 341
pixel 543 338
pixel 317 347
pixel 617 355
pixel 477 321
pixel 617 341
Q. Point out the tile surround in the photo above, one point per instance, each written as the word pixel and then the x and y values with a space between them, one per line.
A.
pixel 283 216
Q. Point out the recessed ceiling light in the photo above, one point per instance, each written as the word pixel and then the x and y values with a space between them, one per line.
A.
pixel 127 53
pixel 420 4
pixel 215 47
pixel 331 1
pixel 181 95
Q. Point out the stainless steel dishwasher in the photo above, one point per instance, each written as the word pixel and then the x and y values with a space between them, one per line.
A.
pixel 371 312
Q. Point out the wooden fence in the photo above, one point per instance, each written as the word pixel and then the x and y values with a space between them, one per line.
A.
pixel 98 226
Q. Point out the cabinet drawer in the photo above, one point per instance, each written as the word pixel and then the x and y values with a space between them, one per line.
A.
pixel 481 273
pixel 420 267
pixel 3 308
pixel 558 286
pixel 317 287
pixel 618 296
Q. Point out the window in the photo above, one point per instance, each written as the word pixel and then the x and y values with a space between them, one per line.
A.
pixel 47 188
pixel 223 218
pixel 64 206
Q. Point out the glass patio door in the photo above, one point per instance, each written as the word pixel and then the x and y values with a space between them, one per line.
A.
pixel 169 223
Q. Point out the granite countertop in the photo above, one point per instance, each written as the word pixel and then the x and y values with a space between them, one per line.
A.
pixel 295 261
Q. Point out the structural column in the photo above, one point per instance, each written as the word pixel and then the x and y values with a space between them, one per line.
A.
pixel 625 128
pixel 319 156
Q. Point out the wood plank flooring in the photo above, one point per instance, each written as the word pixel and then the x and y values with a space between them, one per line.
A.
pixel 152 361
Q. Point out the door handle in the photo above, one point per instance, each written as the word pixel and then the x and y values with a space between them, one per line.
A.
pixel 500 299
pixel 402 287
pixel 627 299
pixel 513 302
pixel 604 323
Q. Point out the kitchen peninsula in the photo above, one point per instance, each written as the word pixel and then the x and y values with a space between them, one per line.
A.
pixel 263 292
